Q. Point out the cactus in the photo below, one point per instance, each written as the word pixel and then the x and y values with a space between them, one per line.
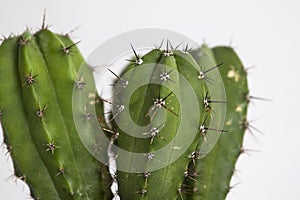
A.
pixel 194 174
pixel 217 168
pixel 38 73
pixel 180 114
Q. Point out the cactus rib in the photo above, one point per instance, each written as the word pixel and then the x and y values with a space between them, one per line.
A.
pixel 218 167
pixel 46 72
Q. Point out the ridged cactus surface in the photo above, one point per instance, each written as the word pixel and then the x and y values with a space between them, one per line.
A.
pixel 156 107
pixel 38 73
pixel 217 168
pixel 197 173
pixel 177 119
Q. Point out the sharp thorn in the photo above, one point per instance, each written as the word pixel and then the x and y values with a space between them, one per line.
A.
pixel 249 97
pixel 177 46
pixel 44 19
pixel 167 96
pixel 113 73
pixel 161 44
pixel 135 54
pixel 171 46
pixel 170 110
pixel 72 45
pixel 72 31
pixel 208 70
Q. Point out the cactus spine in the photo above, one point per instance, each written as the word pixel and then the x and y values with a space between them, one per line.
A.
pixel 38 73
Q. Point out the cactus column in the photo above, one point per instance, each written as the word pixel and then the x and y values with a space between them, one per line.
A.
pixel 217 168
pixel 38 73
pixel 159 105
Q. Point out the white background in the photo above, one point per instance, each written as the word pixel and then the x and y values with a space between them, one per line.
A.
pixel 265 34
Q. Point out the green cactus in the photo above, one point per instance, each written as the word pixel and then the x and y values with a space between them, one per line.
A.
pixel 181 115
pixel 217 168
pixel 38 73
pixel 160 107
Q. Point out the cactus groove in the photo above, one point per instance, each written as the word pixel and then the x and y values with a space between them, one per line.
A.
pixel 38 73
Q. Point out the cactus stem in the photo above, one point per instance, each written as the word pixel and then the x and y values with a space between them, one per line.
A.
pixel 67 50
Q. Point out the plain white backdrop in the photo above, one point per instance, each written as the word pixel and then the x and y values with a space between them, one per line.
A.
pixel 266 35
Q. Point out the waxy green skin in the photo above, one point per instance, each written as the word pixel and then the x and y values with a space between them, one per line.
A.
pixel 210 176
pixel 218 166
pixel 38 114
pixel 165 183
pixel 25 156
